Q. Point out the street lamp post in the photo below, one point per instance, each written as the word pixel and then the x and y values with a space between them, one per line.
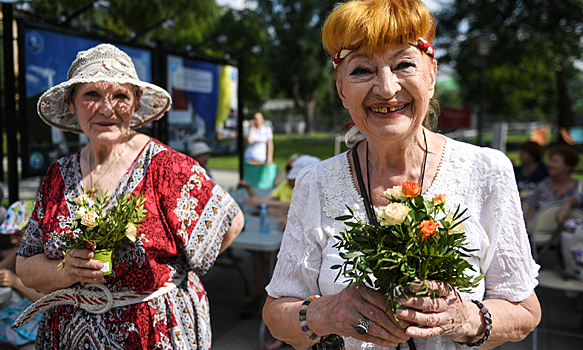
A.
pixel 484 44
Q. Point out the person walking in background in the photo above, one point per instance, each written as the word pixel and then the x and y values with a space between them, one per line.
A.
pixel 201 152
pixel 14 225
pixel 557 187
pixel 385 74
pixel 160 302
pixel 260 140
pixel 532 169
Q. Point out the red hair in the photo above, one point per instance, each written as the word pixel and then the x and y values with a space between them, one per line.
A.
pixel 373 24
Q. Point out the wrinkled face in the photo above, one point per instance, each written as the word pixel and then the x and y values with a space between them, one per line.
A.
pixel 557 165
pixel 104 109
pixel 387 92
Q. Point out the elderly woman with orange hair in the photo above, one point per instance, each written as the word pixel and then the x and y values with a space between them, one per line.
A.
pixel 385 74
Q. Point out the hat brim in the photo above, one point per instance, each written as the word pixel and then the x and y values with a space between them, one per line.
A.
pixel 54 110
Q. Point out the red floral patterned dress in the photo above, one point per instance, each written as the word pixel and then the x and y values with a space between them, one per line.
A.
pixel 188 214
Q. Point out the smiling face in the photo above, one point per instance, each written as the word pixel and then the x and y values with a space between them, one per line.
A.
pixel 104 109
pixel 387 92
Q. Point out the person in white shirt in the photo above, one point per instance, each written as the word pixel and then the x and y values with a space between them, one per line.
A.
pixel 260 139
pixel 385 74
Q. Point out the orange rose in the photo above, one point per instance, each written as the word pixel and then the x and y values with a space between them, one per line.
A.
pixel 411 189
pixel 428 228
pixel 439 199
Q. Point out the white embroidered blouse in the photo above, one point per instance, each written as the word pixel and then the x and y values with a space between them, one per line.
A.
pixel 479 179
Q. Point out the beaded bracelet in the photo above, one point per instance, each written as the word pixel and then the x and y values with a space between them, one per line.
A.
pixel 304 323
pixel 488 318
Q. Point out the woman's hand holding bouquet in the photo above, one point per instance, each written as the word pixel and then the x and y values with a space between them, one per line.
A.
pixel 98 228
pixel 408 250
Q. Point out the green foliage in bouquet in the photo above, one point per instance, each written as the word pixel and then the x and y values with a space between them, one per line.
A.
pixel 408 245
pixel 95 228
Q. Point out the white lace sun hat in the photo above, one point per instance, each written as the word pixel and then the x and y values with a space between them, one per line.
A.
pixel 103 62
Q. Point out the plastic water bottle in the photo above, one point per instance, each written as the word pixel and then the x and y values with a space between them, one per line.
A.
pixel 264 220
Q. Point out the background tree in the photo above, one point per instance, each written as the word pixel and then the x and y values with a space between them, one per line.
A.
pixel 301 68
pixel 531 62
pixel 198 24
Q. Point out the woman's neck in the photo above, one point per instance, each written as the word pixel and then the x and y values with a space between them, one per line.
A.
pixel 528 168
pixel 390 164
pixel 562 181
pixel 107 152
pixel 396 160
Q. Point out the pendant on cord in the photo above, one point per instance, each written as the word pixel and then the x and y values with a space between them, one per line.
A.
pixel 92 191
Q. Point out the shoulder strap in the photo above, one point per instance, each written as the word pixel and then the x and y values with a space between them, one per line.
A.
pixel 367 202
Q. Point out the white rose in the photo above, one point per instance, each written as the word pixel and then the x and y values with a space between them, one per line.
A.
pixel 81 212
pixel 131 232
pixel 457 229
pixel 81 199
pixel 395 192
pixel 90 219
pixel 393 214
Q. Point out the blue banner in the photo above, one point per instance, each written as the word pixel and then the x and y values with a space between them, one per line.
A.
pixel 48 56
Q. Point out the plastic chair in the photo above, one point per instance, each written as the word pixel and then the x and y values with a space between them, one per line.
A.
pixel 545 232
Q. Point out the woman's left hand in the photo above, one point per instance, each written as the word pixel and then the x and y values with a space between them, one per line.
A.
pixel 445 315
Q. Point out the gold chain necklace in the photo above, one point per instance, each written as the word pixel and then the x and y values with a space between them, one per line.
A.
pixel 93 190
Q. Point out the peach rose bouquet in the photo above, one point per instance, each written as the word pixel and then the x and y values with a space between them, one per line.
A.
pixel 410 245
pixel 102 229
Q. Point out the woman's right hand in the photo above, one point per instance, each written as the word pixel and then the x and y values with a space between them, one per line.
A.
pixel 340 313
pixel 81 267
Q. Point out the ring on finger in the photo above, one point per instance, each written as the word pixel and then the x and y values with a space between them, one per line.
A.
pixel 362 326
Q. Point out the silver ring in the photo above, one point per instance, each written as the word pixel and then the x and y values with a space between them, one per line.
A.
pixel 362 326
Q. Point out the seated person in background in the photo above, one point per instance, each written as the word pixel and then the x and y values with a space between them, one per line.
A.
pixel 14 225
pixel 532 169
pixel 260 139
pixel 559 186
pixel 282 174
pixel 201 152
pixel 279 199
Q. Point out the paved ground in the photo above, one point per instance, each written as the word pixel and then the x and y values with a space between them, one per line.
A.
pixel 237 328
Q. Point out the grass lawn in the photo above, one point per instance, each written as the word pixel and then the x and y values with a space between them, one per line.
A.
pixel 320 145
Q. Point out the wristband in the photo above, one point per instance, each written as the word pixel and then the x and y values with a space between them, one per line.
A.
pixel 488 318
pixel 304 322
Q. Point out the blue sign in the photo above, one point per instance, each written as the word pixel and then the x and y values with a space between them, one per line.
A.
pixel 48 56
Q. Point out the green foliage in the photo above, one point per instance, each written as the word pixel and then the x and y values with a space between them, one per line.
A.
pixel 533 41
pixel 97 228
pixel 301 67
pixel 392 257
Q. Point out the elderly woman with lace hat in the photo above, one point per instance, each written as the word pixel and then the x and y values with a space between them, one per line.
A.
pixel 153 299
pixel 385 75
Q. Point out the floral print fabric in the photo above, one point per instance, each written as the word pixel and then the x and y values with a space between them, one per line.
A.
pixel 187 216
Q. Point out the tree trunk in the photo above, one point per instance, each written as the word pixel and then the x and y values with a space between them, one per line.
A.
pixel 564 106
pixel 310 116
pixel 308 107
